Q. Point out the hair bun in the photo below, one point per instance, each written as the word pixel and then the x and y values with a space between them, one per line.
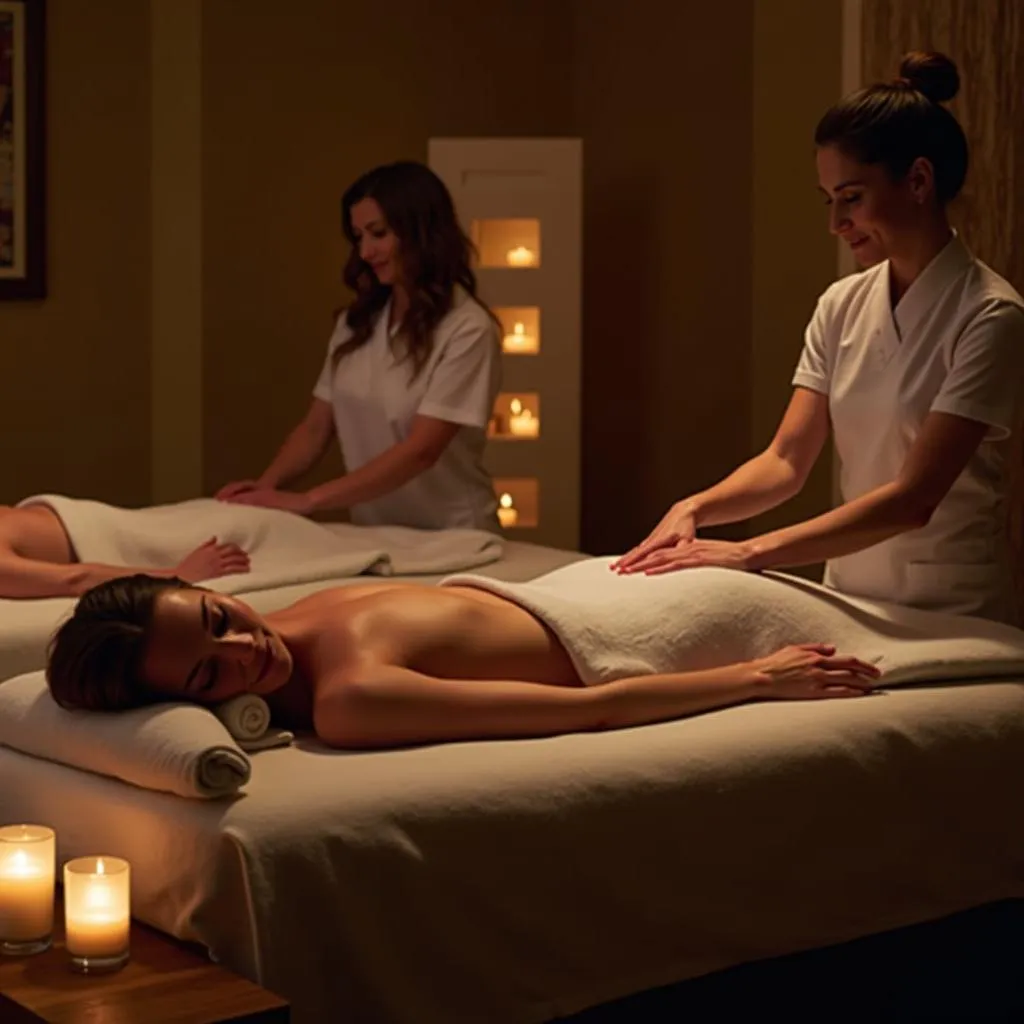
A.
pixel 933 75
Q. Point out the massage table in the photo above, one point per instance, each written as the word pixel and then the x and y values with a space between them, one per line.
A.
pixel 517 881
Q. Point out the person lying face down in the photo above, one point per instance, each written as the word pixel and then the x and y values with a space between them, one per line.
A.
pixel 37 558
pixel 390 664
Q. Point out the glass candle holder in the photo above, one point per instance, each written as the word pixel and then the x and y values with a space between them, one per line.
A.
pixel 27 874
pixel 97 913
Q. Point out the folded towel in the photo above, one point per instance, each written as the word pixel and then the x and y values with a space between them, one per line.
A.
pixel 247 718
pixel 283 548
pixel 615 626
pixel 175 748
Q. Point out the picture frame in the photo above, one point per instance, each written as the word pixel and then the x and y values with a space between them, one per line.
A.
pixel 22 150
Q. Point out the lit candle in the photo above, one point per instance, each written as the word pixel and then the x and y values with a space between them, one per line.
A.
pixel 507 515
pixel 522 422
pixel 97 910
pixel 520 256
pixel 519 340
pixel 27 871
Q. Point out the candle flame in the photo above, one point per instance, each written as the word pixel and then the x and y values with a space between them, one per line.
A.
pixel 515 407
pixel 100 869
pixel 518 328
pixel 505 501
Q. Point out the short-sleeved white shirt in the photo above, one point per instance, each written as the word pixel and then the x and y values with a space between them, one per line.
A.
pixel 375 399
pixel 953 344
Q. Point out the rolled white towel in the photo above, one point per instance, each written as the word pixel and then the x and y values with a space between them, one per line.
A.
pixel 176 748
pixel 247 718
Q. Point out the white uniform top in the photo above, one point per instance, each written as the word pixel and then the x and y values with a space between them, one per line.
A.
pixel 375 400
pixel 954 344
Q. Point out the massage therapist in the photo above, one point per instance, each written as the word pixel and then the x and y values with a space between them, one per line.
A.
pixel 915 364
pixel 412 371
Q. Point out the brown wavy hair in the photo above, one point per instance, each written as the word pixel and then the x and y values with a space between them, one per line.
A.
pixel 95 658
pixel 894 123
pixel 434 252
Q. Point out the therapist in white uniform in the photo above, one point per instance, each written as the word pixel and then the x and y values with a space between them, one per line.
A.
pixel 412 371
pixel 917 366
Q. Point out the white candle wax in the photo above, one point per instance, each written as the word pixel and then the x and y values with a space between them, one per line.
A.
pixel 27 868
pixel 524 425
pixel 519 340
pixel 97 906
pixel 520 256
pixel 507 515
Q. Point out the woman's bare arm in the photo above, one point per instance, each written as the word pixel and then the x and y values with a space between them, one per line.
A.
pixel 389 705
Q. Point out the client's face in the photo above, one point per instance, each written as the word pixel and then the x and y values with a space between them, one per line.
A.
pixel 208 647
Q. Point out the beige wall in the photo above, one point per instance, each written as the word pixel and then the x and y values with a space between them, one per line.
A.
pixel 695 124
pixel 296 106
pixel 74 368
pixel 797 72
pixel 705 243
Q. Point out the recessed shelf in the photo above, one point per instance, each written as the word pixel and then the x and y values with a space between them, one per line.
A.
pixel 518 502
pixel 510 242
pixel 516 417
pixel 520 328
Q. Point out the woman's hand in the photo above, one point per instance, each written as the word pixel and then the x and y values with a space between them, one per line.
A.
pixel 268 497
pixel 812 671
pixel 726 554
pixel 229 491
pixel 676 530
pixel 211 560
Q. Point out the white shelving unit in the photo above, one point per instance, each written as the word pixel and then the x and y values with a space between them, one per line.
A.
pixel 521 200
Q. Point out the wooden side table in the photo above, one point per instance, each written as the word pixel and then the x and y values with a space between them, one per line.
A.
pixel 164 982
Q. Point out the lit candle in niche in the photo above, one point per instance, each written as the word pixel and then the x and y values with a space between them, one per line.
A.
pixel 522 422
pixel 519 340
pixel 27 875
pixel 521 256
pixel 508 515
pixel 97 911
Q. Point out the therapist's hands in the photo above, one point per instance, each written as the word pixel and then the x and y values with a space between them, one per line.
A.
pixel 269 497
pixel 726 554
pixel 676 530
pixel 229 491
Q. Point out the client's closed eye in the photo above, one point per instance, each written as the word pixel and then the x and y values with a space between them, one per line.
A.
pixel 221 621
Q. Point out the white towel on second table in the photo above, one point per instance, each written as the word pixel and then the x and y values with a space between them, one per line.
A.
pixel 615 626
pixel 284 548
pixel 175 748
pixel 247 718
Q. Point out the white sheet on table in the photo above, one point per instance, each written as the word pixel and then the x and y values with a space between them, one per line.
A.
pixel 514 881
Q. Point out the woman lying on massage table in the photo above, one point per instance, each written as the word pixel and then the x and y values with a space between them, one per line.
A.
pixel 388 664
pixel 37 559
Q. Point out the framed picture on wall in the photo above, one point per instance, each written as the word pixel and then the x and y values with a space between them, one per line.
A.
pixel 22 141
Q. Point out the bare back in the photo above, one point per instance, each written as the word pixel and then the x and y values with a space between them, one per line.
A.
pixel 444 632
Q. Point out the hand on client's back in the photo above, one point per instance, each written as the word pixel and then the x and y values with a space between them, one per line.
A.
pixel 690 554
pixel 676 530
pixel 271 497
pixel 231 490
pixel 212 559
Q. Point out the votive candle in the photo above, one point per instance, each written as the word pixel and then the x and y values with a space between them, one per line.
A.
pixel 27 874
pixel 97 911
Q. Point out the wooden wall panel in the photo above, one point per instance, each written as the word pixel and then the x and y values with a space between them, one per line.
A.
pixel 986 39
